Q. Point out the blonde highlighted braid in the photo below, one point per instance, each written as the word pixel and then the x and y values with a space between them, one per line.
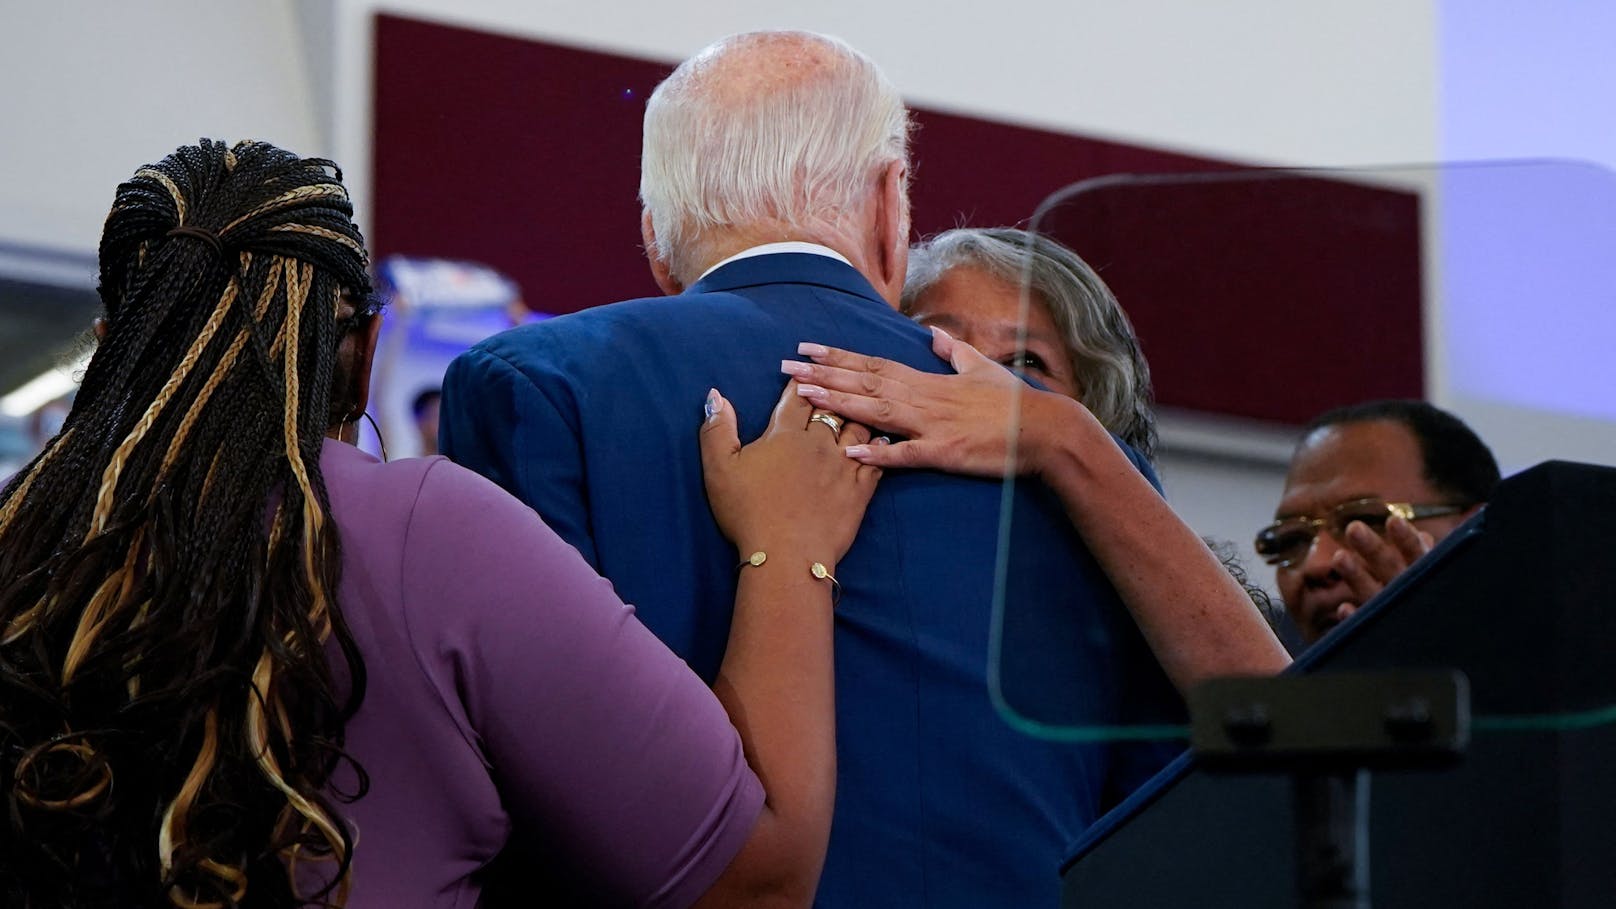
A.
pixel 171 715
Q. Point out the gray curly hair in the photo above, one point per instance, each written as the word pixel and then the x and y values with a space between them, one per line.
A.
pixel 1105 356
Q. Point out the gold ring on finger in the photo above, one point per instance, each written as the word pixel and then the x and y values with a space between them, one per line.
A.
pixel 829 419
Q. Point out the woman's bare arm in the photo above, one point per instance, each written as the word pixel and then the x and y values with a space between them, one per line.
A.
pixel 1198 621
pixel 792 495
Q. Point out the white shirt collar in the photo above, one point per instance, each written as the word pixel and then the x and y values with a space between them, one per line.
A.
pixel 788 246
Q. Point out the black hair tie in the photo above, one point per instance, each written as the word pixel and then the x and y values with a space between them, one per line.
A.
pixel 200 233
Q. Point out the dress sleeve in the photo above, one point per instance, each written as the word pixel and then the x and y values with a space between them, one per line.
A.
pixel 501 422
pixel 1141 463
pixel 603 744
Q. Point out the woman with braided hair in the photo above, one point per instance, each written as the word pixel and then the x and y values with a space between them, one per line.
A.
pixel 245 664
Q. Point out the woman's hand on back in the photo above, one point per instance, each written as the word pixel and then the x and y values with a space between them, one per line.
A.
pixel 959 423
pixel 794 488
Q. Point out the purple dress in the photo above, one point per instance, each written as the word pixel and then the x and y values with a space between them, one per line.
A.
pixel 510 689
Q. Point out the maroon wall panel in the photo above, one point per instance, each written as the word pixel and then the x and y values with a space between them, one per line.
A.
pixel 519 154
pixel 978 173
pixel 525 155
pixel 1266 295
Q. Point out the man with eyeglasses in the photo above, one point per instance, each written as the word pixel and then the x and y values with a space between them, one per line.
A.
pixel 1371 488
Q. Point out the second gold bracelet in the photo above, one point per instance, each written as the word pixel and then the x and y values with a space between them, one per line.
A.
pixel 817 569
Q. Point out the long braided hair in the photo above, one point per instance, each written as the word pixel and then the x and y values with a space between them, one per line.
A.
pixel 170 717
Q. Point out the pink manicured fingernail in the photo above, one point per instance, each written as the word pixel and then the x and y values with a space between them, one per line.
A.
pixel 795 368
pixel 858 451
pixel 812 350
pixel 810 391
pixel 714 405
pixel 880 440
pixel 938 331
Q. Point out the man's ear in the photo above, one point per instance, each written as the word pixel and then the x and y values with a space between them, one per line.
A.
pixel 99 326
pixel 892 230
pixel 661 271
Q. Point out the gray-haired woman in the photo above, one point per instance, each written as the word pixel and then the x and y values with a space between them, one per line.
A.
pixel 1079 342
pixel 966 285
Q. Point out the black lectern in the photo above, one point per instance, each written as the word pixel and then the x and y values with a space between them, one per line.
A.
pixel 1522 600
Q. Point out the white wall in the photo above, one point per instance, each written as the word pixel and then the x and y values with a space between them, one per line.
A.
pixel 93 90
pixel 1527 356
pixel 1310 82
pixel 1262 80
pixel 1526 82
pixel 1226 499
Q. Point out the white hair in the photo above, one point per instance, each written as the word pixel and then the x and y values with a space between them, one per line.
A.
pixel 735 144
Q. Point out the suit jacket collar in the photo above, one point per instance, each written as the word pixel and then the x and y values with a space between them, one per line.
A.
pixel 789 268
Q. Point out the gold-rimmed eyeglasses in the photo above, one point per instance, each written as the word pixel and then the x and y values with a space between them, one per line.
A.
pixel 1286 541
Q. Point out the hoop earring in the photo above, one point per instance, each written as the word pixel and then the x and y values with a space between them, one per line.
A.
pixel 378 430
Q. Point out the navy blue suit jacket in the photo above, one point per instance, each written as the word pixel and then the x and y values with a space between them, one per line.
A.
pixel 592 419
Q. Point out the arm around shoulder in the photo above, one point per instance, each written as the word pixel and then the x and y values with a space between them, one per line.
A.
pixel 1198 620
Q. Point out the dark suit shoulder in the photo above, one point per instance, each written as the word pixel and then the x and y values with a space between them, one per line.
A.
pixel 564 343
pixel 754 323
pixel 602 323
pixel 569 327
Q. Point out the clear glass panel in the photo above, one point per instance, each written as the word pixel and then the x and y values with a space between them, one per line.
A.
pixel 1264 297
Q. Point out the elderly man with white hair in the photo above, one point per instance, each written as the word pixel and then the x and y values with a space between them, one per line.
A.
pixel 776 212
